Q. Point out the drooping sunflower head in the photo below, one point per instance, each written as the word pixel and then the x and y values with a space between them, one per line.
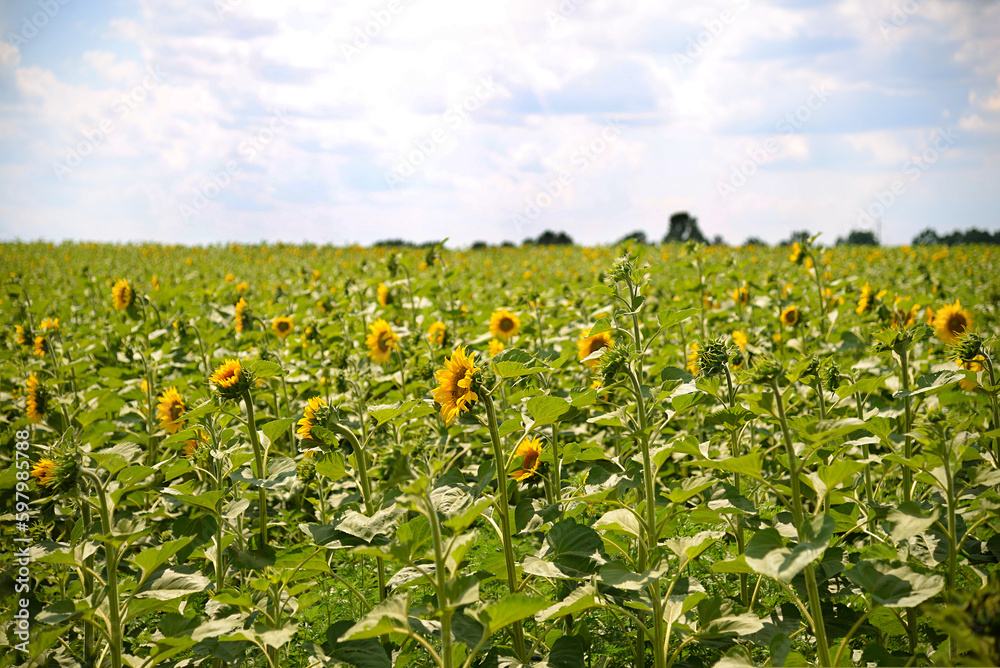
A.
pixel 741 295
pixel 587 345
pixel 384 294
pixel 764 370
pixel 496 346
pixel 242 316
pixel 613 362
pixel 169 409
pixel 455 391
pixel 316 413
pixel 45 471
pixel 60 470
pixel 790 316
pixel 23 335
pixel 951 322
pixel 40 347
pixel 38 399
pixel 530 451
pixel 438 333
pixel 231 379
pixel 122 295
pixel 282 326
pixel 381 341
pixel 504 324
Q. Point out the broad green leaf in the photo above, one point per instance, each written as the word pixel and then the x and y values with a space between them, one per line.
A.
pixel 671 317
pixel 580 599
pixel 908 520
pixel 546 409
pixel 894 587
pixel 767 554
pixel 389 616
pixel 497 615
pixel 175 582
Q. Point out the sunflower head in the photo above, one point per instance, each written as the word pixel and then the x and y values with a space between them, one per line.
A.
pixel 456 389
pixel 243 316
pixel 38 399
pixel 282 326
pixel 317 413
pixel 741 295
pixel 122 295
pixel 530 452
pixel 169 409
pixel 968 348
pixel 192 446
pixel 622 269
pixel 59 471
pixel 951 322
pixel 790 316
pixel 496 346
pixel 798 254
pixel 384 294
pixel 50 323
pixel 765 370
pixel 23 335
pixel 740 339
pixel 381 341
pixel 587 345
pixel 231 379
pixel 504 324
pixel 692 359
pixel 438 334
pixel 613 361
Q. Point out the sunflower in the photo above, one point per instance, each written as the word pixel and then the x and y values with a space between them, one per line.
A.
pixel 242 287
pixel 306 423
pixel 242 316
pixel 50 323
pixel 438 333
pixel 23 336
pixel 122 296
pixel 231 380
pixel 454 392
pixel 45 471
pixel 381 341
pixel 692 359
pixel 588 345
pixel 41 346
pixel 169 409
pixel 530 451
pixel 191 445
pixel 790 316
pixel 496 346
pixel 504 324
pixel 976 366
pixel 929 316
pixel 951 321
pixel 741 295
pixel 740 339
pixel 230 278
pixel 384 296
pixel 282 326
pixel 868 299
pixel 907 317
pixel 37 399
pixel 798 253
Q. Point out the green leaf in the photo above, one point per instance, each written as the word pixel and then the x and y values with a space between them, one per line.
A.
pixel 276 428
pixel 546 409
pixel 671 317
pixel 619 519
pixel 391 615
pixel 174 582
pixel 602 325
pixel 386 412
pixel 908 520
pixel 767 554
pixel 152 558
pixel 580 599
pixel 749 465
pixel 690 547
pixel 566 652
pixel 331 465
pixel 266 369
pixel 497 615
pixel 514 362
pixel 899 587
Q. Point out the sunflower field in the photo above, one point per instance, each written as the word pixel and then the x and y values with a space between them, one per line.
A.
pixel 303 456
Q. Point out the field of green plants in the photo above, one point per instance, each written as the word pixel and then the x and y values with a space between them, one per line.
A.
pixel 290 456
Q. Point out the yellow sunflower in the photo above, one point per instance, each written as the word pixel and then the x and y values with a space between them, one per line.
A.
pixel 504 324
pixel 437 333
pixel 867 300
pixel 790 316
pixel 122 296
pixel 797 253
pixel 191 445
pixel 381 341
pixel 530 451
pixel 282 326
pixel 230 278
pixel 905 317
pixel 496 346
pixel 241 316
pixel 384 296
pixel 951 321
pixel 22 335
pixel 37 399
pixel 976 366
pixel 740 339
pixel 454 392
pixel 169 409
pixel 692 359
pixel 45 471
pixel 50 323
pixel 741 295
pixel 228 374
pixel 588 345
pixel 306 423
pixel 242 287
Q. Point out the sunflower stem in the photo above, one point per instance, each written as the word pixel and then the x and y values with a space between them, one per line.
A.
pixel 259 463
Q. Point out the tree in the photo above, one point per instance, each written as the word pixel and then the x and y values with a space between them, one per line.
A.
pixel 800 236
pixel 858 238
pixel 683 228
pixel 717 240
pixel 480 245
pixel 638 237
pixel 550 238
pixel 755 241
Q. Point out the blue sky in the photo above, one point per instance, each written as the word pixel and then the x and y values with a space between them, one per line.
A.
pixel 329 121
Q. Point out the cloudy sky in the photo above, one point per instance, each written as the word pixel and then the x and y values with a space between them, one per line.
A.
pixel 199 121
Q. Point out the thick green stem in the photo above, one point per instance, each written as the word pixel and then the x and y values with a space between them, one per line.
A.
pixel 869 494
pixel 517 632
pixel 994 406
pixel 556 473
pixel 88 586
pixel 260 463
pixel 904 369
pixel 737 483
pixel 111 557
pixel 444 605
pixel 815 607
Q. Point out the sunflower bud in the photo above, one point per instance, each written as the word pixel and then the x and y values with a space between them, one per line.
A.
pixel 968 348
pixel 713 358
pixel 765 370
pixel 812 368
pixel 831 377
pixel 622 269
pixel 613 361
